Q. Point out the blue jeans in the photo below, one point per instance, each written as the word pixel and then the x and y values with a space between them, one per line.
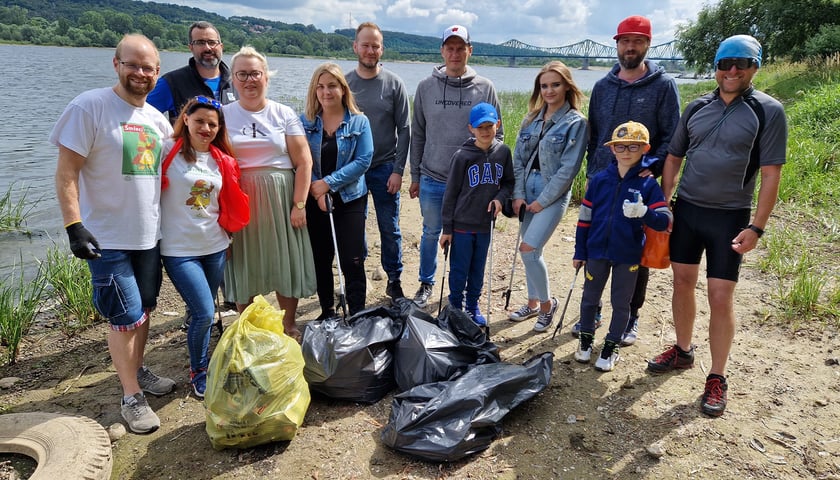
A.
pixel 468 256
pixel 125 284
pixel 431 203
pixel 537 228
pixel 387 218
pixel 197 279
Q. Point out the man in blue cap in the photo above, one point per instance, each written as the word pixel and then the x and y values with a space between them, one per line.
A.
pixel 733 133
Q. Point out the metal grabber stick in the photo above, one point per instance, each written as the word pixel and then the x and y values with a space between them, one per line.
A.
pixel 515 254
pixel 569 296
pixel 443 280
pixel 490 268
pixel 342 295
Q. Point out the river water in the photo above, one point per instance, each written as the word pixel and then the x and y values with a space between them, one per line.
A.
pixel 40 81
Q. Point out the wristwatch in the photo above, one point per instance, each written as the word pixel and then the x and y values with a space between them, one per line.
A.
pixel 300 205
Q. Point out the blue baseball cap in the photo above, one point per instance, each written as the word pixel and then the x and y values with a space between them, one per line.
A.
pixel 739 46
pixel 483 113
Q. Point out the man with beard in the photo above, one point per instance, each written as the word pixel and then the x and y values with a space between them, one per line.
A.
pixel 636 90
pixel 206 74
pixel 383 98
pixel 735 132
pixel 107 182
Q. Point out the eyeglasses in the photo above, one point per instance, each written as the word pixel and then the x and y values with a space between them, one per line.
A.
pixel 142 69
pixel 739 63
pixel 244 76
pixel 208 101
pixel 205 43
pixel 620 147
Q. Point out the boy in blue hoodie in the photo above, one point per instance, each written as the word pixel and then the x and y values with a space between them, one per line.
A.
pixel 610 237
pixel 480 180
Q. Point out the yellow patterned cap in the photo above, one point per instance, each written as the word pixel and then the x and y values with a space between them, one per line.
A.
pixel 630 132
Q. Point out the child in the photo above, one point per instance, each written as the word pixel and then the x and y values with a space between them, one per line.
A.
pixel 480 180
pixel 610 236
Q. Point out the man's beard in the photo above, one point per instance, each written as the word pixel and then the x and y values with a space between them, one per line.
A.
pixel 633 63
pixel 209 63
pixel 368 64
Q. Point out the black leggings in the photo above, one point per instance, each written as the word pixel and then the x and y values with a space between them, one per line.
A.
pixel 349 221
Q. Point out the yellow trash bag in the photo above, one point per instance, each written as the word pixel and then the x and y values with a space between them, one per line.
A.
pixel 256 392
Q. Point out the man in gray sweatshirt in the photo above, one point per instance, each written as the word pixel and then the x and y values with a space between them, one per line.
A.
pixel 442 106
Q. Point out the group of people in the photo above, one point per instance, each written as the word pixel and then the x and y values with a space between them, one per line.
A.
pixel 247 195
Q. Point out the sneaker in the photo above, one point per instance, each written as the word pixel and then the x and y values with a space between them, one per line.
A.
pixel 524 313
pixel 632 333
pixel 576 326
pixel 584 351
pixel 608 358
pixel 544 319
pixel 394 290
pixel 198 380
pixel 421 298
pixel 671 359
pixel 713 402
pixel 477 317
pixel 151 383
pixel 139 416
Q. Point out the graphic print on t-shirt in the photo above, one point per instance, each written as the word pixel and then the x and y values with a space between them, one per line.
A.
pixel 200 197
pixel 141 149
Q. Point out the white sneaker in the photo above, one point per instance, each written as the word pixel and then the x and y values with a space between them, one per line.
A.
pixel 524 313
pixel 139 415
pixel 584 351
pixel 608 358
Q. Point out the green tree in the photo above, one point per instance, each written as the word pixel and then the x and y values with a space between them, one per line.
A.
pixel 119 22
pixel 92 20
pixel 824 43
pixel 151 25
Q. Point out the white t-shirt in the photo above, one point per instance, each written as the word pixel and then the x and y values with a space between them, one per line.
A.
pixel 259 138
pixel 190 208
pixel 119 184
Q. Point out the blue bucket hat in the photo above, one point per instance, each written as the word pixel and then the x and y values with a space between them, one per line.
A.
pixel 483 113
pixel 739 46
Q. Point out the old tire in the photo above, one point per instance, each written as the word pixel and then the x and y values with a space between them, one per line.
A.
pixel 65 446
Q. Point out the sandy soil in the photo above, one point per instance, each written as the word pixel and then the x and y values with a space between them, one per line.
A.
pixel 783 418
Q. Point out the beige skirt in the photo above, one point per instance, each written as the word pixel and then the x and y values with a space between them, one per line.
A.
pixel 269 255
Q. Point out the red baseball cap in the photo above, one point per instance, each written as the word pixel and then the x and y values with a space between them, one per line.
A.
pixel 634 25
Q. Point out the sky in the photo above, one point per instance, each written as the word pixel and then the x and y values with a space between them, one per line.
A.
pixel 543 23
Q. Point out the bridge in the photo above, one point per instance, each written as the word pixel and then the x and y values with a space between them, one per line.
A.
pixel 585 49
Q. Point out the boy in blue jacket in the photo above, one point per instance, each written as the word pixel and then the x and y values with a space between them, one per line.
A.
pixel 610 237
pixel 480 180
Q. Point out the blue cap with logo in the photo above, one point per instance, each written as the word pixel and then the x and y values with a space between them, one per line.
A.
pixel 483 113
pixel 739 46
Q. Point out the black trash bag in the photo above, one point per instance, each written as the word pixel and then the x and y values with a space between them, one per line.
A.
pixel 446 421
pixel 352 359
pixel 431 350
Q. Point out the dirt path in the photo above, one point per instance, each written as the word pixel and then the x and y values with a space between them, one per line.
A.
pixel 783 418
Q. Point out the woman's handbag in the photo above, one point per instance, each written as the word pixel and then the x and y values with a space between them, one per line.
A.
pixel 656 253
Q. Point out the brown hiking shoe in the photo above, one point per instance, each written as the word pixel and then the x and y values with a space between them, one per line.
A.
pixel 673 358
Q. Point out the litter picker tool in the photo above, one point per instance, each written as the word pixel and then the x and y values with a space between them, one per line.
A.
pixel 342 294
pixel 490 268
pixel 443 280
pixel 566 305
pixel 515 250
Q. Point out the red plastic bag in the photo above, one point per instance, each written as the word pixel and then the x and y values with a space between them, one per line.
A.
pixel 656 253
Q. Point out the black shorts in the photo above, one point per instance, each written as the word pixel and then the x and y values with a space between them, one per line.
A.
pixel 711 229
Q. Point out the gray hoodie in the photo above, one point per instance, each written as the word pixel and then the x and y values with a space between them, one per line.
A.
pixel 441 115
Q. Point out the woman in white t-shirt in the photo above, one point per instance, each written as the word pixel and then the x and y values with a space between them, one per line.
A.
pixel 273 252
pixel 201 204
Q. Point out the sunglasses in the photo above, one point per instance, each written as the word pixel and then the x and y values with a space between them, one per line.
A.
pixel 620 147
pixel 208 101
pixel 739 63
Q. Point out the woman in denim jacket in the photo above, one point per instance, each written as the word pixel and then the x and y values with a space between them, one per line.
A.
pixel 342 147
pixel 548 155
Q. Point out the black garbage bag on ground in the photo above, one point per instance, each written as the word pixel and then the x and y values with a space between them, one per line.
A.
pixel 431 350
pixel 352 359
pixel 446 421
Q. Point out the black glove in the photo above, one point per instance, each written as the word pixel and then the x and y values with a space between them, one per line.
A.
pixel 81 241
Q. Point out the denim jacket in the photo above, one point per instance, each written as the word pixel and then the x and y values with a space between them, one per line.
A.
pixel 561 151
pixel 355 150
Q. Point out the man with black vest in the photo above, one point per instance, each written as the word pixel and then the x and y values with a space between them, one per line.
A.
pixel 206 74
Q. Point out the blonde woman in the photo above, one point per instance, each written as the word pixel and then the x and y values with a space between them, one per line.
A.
pixel 342 147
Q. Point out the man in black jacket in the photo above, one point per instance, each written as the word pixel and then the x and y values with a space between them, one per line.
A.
pixel 206 74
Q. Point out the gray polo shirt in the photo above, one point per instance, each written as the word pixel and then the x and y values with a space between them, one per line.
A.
pixel 716 142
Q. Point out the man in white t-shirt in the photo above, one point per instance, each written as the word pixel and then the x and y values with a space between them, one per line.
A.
pixel 108 186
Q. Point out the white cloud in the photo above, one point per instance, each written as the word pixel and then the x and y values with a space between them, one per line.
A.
pixel 544 23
